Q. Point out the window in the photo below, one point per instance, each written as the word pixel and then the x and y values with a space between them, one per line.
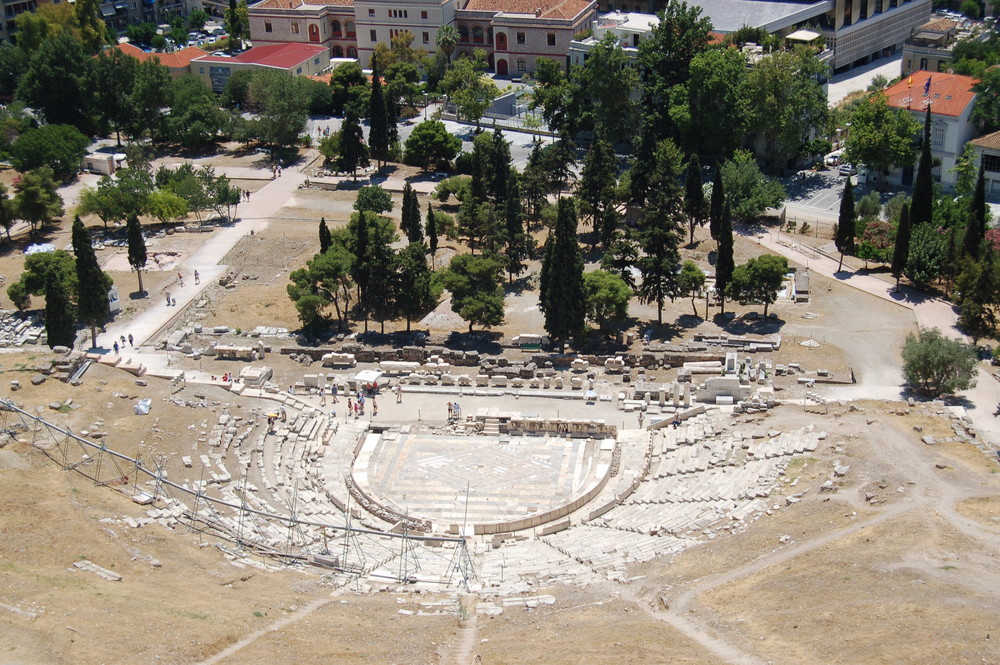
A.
pixel 477 35
pixel 937 136
pixel 298 70
pixel 426 37
pixel 201 70
pixel 338 51
pixel 267 26
pixel 463 33
pixel 371 13
pixel 335 28
pixel 316 61
pixel 520 38
pixel 349 28
pixel 423 15
pixel 295 27
pixel 374 35
pixel 521 65
pixel 352 52
pixel 398 13
pixel 552 39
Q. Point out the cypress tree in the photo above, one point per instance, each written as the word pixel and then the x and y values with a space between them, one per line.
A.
pixel 517 239
pixel 136 248
pixel 901 250
pixel 975 230
pixel 93 306
pixel 353 151
pixel 661 229
pixel 360 271
pixel 411 215
pixel 500 168
pixel 432 232
pixel 60 328
pixel 404 219
pixel 845 223
pixel 921 209
pixel 716 205
pixel 694 196
pixel 562 298
pixel 724 262
pixel 325 238
pixel 378 132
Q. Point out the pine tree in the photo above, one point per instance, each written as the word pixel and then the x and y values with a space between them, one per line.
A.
pixel 136 248
pixel 921 209
pixel 325 238
pixel 717 203
pixel 414 290
pixel 979 294
pixel 901 250
pixel 724 261
pixel 597 181
pixel 561 299
pixel 660 229
pixel 432 232
pixel 694 196
pixel 378 133
pixel 93 306
pixel 845 223
pixel 975 230
pixel 60 327
pixel 499 168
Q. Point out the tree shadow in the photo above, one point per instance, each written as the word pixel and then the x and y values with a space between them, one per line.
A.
pixel 807 184
pixel 483 341
pixel 138 295
pixel 518 285
pixel 743 325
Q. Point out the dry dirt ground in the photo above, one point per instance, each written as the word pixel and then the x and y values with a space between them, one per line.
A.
pixel 909 574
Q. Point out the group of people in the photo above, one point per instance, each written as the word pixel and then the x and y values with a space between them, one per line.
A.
pixel 454 411
pixel 275 417
pixel 275 173
pixel 121 347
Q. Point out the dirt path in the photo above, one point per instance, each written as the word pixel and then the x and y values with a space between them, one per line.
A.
pixel 298 615
pixel 466 651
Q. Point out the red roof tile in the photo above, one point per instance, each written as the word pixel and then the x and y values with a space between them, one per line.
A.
pixel 556 9
pixel 176 60
pixel 949 94
pixel 295 4
pixel 281 56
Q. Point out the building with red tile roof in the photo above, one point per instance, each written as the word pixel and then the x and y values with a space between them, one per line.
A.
pixel 951 99
pixel 296 59
pixel 178 62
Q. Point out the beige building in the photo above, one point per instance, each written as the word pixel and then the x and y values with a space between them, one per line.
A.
pixel 380 20
pixel 329 23
pixel 988 148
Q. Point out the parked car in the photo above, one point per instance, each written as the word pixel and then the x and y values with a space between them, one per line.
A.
pixel 833 159
pixel 848 169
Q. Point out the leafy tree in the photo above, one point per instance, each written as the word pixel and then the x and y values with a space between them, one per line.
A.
pixel 325 239
pixel 758 280
pixel 281 104
pixel 694 196
pixel 787 101
pixel 868 207
pixel 93 306
pixel 556 95
pixel 881 136
pixel 55 83
pixel 875 242
pixel 165 206
pixel 188 184
pixel 431 144
pixel 975 230
pixel 237 90
pixel 141 34
pixel 691 281
pixel 13 63
pixel 476 295
pixel 561 296
pixel 197 19
pixel 921 209
pixel 416 291
pixel 59 147
pixel 60 323
pixel 725 264
pixel 986 111
pixel 469 87
pixel 606 297
pixel 716 204
pixel 978 286
pixel 195 118
pixel 7 211
pixel 748 191
pixel 447 40
pixel 237 23
pixel 323 282
pixel 936 365
pixel 378 133
pixel 845 223
pixel 370 242
pixel 223 196
pixel 660 230
pixel 137 255
pixel 928 252
pixel 353 151
pixel 112 79
pixel 597 190
pixel 608 79
pixel 350 89
pixel 620 259
pixel 151 93
pixel 711 110
pixel 901 248
pixel 37 267
pixel 36 200
pixel 374 199
pixel 498 168
pixel 520 245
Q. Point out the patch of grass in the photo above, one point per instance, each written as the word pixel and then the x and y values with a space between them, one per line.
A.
pixel 185 614
pixel 948 568
pixel 259 615
pixel 65 408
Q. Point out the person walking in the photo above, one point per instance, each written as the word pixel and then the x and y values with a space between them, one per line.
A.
pixel 131 340
pixel 399 393
pixel 374 407
pixel 333 392
pixel 116 348
pixel 449 411
pixel 180 280
pixel 197 277
pixel 168 298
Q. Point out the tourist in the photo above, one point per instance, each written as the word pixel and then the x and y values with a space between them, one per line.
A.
pixel 399 393
pixel 374 408
pixel 168 299
pixel 640 418
pixel 333 392
pixel 131 340
pixel 449 410
pixel 116 348
pixel 457 410
pixel 180 279
pixel 123 341
pixel 197 277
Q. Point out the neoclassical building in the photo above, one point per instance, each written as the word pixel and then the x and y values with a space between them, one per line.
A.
pixel 514 33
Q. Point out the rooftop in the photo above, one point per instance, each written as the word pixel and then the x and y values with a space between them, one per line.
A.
pixel 552 9
pixel 301 4
pixel 938 25
pixel 279 56
pixel 176 60
pixel 991 141
pixel 772 15
pixel 947 94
